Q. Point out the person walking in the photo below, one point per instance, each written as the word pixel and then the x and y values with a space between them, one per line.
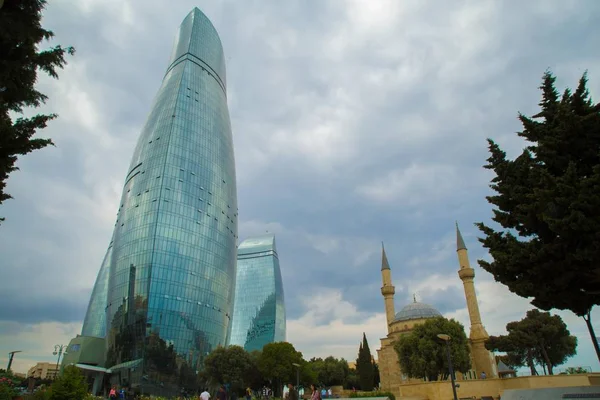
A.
pixel 113 393
pixel 316 393
pixel 222 394
pixel 292 394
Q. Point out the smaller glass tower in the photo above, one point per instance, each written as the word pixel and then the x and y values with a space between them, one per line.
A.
pixel 259 307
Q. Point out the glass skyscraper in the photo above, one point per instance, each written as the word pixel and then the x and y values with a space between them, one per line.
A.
pixel 171 266
pixel 259 308
pixel 94 323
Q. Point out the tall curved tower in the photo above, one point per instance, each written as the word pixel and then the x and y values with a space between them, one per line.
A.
pixel 94 323
pixel 259 310
pixel 172 267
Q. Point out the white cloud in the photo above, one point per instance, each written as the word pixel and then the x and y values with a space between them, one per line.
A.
pixel 258 228
pixel 412 185
pixel 498 306
pixel 313 338
pixel 37 342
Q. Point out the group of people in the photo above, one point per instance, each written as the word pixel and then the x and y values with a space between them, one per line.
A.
pixel 316 394
pixel 221 394
pixel 266 394
pixel 116 393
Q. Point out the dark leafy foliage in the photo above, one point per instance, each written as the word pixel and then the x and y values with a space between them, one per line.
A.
pixel 364 366
pixel 330 371
pixel 71 385
pixel 20 62
pixel 576 370
pixel 547 204
pixel 352 382
pixel 8 384
pixel 539 338
pixel 229 365
pixel 276 363
pixel 423 355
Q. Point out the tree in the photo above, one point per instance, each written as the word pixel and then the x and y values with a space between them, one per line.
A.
pixel 538 338
pixel 276 363
pixel 547 204
pixel 517 354
pixel 376 377
pixel 352 381
pixel 229 365
pixel 308 374
pixel 576 370
pixel 364 365
pixel 20 37
pixel 255 378
pixel 71 385
pixel 330 371
pixel 423 355
pixel 508 361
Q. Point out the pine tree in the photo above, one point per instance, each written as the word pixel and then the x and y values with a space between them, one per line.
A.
pixel 364 366
pixel 20 60
pixel 547 204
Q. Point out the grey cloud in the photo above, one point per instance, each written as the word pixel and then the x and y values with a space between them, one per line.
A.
pixel 322 106
pixel 368 298
pixel 26 307
pixel 445 300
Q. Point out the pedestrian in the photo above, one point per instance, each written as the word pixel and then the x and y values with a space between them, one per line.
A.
pixel 113 392
pixel 316 394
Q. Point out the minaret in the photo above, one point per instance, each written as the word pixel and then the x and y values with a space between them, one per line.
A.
pixel 387 290
pixel 482 358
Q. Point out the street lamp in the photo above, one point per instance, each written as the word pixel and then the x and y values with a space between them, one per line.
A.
pixel 59 349
pixel 11 355
pixel 446 338
pixel 297 375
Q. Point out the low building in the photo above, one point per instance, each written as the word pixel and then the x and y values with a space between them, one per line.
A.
pixel 43 370
pixel 88 354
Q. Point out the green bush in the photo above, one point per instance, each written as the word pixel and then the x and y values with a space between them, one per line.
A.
pixel 92 397
pixel 41 394
pixel 71 385
pixel 373 394
pixel 7 386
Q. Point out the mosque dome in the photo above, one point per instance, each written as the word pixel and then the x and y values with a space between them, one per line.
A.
pixel 416 310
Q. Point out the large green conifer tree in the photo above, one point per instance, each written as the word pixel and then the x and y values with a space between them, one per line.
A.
pixel 547 206
pixel 364 366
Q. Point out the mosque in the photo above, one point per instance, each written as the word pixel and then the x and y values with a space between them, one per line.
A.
pixel 401 323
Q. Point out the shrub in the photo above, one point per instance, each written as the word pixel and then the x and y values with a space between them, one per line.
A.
pixel 71 385
pixel 7 386
pixel 373 394
pixel 92 397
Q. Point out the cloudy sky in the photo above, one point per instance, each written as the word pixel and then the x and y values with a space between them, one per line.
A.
pixel 354 122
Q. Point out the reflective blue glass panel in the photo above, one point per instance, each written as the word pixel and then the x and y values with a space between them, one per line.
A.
pixel 94 323
pixel 171 271
pixel 259 308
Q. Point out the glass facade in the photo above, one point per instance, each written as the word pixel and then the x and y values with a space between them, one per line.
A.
pixel 172 266
pixel 94 323
pixel 259 308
